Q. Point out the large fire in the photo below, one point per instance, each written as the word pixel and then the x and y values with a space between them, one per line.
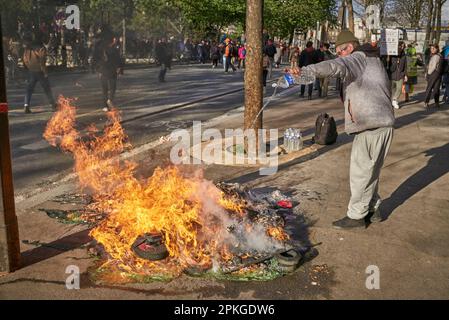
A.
pixel 191 213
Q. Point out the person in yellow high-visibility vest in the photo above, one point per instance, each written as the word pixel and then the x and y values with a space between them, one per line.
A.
pixel 413 62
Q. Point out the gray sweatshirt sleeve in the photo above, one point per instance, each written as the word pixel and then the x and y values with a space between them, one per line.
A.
pixel 343 67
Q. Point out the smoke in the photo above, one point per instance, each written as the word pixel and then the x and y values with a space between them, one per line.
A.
pixel 236 233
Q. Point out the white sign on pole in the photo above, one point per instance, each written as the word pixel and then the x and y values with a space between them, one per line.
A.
pixel 389 42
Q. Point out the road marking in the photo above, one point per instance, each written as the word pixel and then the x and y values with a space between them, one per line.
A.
pixel 42 144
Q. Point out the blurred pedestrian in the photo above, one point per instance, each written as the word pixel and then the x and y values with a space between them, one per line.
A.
pixel 270 50
pixel 34 59
pixel 266 65
pixel 242 56
pixel 215 55
pixel 278 55
pixel 228 54
pixel 433 76
pixel 413 62
pixel 445 54
pixel 163 58
pixel 397 69
pixel 324 82
pixel 307 58
pixel 109 65
pixel 294 57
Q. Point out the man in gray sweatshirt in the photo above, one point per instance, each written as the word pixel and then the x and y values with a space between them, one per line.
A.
pixel 369 117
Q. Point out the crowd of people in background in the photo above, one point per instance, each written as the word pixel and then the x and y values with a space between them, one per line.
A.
pixel 53 46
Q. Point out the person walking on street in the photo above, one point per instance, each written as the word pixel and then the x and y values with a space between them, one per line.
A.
pixel 412 71
pixel 397 68
pixel 278 55
pixel 445 54
pixel 324 82
pixel 369 118
pixel 228 54
pixel 433 76
pixel 307 57
pixel 294 57
pixel 242 56
pixel 108 64
pixel 34 59
pixel 270 50
pixel 266 64
pixel 319 57
pixel 215 55
pixel 163 58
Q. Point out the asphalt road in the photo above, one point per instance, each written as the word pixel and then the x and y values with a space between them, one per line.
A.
pixel 138 95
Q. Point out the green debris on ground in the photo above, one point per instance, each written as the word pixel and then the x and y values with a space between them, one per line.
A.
pixel 265 271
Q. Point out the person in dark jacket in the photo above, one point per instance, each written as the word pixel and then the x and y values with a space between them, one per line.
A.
pixel 308 56
pixel 215 55
pixel 163 57
pixel 34 59
pixel 109 65
pixel 433 75
pixel 270 50
pixel 397 69
pixel 324 82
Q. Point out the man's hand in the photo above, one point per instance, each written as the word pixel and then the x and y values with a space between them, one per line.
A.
pixel 120 71
pixel 405 79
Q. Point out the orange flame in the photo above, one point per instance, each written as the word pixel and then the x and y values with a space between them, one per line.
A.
pixel 167 202
pixel 277 233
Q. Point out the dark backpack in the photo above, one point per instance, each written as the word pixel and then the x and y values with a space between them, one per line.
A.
pixel 325 130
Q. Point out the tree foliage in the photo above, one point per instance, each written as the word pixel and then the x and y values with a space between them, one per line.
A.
pixel 281 17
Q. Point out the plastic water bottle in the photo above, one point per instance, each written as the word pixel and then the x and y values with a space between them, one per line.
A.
pixel 293 140
pixel 288 80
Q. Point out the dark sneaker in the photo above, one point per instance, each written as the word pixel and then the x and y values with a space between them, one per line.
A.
pixel 348 223
pixel 375 216
pixel 26 109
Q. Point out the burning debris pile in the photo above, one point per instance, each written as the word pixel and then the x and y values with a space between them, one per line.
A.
pixel 169 223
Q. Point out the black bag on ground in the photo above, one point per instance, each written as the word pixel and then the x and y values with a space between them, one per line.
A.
pixel 325 130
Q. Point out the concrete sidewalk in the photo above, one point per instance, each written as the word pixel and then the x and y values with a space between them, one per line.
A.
pixel 410 248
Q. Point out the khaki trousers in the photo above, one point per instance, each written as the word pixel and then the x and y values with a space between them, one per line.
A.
pixel 369 151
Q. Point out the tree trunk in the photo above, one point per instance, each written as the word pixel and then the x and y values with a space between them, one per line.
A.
pixel 350 15
pixel 292 36
pixel 438 27
pixel 434 19
pixel 429 24
pixel 254 69
pixel 342 15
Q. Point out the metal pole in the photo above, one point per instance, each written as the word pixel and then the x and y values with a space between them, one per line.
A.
pixel 9 231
